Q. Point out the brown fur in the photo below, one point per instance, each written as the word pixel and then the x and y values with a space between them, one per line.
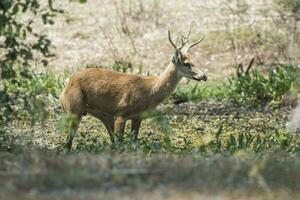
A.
pixel 115 97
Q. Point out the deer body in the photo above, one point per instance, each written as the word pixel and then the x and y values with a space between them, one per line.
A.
pixel 117 94
pixel 115 97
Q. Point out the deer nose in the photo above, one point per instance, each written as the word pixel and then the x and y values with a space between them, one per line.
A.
pixel 200 77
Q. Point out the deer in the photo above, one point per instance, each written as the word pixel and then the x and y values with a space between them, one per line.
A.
pixel 115 97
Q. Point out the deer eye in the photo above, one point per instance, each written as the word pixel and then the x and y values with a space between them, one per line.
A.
pixel 188 65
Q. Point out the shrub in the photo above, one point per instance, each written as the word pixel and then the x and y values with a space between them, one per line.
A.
pixel 20 44
pixel 291 6
pixel 35 97
pixel 255 88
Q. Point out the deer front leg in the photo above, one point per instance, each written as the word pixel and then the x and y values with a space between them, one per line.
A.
pixel 108 122
pixel 119 129
pixel 135 128
pixel 73 123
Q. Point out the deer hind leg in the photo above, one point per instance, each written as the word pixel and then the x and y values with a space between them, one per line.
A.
pixel 135 127
pixel 106 119
pixel 119 127
pixel 73 103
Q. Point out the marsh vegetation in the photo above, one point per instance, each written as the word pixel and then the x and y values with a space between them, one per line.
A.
pixel 224 139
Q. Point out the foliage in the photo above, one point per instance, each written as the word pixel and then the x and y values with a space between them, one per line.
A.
pixel 195 92
pixel 209 137
pixel 292 6
pixel 252 89
pixel 20 43
pixel 202 128
pixel 31 100
pixel 255 88
pixel 188 93
pixel 243 141
pixel 213 145
pixel 5 106
pixel 36 96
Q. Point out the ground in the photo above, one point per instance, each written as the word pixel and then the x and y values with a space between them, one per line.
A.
pixel 191 167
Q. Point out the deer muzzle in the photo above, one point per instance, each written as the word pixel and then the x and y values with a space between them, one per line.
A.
pixel 200 77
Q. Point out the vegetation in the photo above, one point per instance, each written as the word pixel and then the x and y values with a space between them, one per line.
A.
pixel 226 136
pixel 252 88
pixel 257 89
pixel 227 123
pixel 21 46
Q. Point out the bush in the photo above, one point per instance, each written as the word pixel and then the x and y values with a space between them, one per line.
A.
pixel 20 44
pixel 35 97
pixel 255 88
pixel 291 6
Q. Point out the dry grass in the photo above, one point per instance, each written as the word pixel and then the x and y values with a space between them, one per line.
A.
pixel 104 32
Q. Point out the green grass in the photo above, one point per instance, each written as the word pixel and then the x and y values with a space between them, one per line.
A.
pixel 36 100
pixel 206 145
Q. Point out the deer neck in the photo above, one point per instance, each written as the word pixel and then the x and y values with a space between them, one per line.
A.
pixel 165 83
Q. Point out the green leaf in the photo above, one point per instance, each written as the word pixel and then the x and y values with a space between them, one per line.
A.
pixel 5 4
pixel 15 9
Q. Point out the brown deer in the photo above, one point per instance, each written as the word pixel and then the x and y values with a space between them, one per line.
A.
pixel 115 97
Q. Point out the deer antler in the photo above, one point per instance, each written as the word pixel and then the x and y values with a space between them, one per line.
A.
pixel 170 40
pixel 183 43
pixel 197 42
pixel 188 34
pixel 184 40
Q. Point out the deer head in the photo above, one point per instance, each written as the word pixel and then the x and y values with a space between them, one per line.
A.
pixel 182 61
